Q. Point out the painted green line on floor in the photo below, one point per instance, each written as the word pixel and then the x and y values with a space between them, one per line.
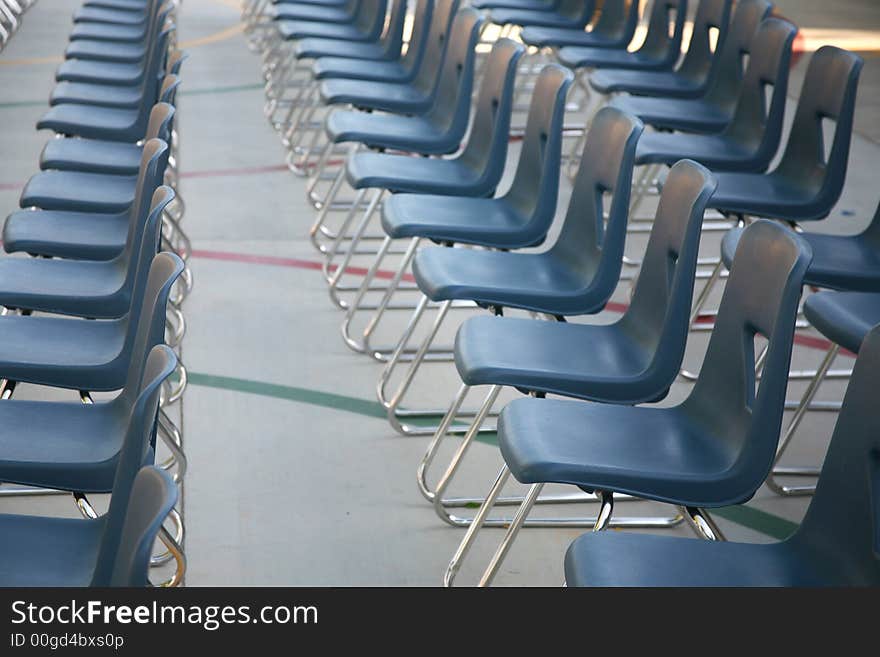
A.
pixel 183 92
pixel 761 521
pixel 750 517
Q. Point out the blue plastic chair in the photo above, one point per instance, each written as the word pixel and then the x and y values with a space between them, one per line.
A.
pixel 420 95
pixel 76 447
pixel 115 34
pixel 366 27
pixel 288 11
pixel 633 360
pixel 437 131
pixel 528 5
pixel 806 183
pixel 81 354
pixel 113 549
pixel 87 288
pixel 659 52
pixel 568 13
pixel 614 28
pixel 692 77
pixel 835 544
pixel 402 68
pixel 751 139
pixel 121 52
pixel 79 191
pixel 118 96
pixel 714 111
pixel 108 120
pixel 714 449
pixel 516 219
pixel 79 235
pixel 384 48
pixel 477 170
pixel 112 157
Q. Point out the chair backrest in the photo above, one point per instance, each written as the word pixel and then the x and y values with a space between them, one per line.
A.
pixel 486 149
pixel 618 21
pixel 727 81
pixel 700 61
pixel 151 172
pixel 452 104
pixel 392 37
pixel 665 31
pixel 580 12
pixel 151 82
pixel 535 185
pixel 418 39
pixel 658 316
pixel 370 17
pixel 142 243
pixel 663 44
pixel 588 243
pixel 161 117
pixel 141 421
pixel 146 327
pixel 755 125
pixel 760 299
pixel 842 523
pixel 152 497
pixel 428 76
pixel 828 92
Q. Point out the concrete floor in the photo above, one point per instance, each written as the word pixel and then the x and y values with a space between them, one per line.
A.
pixel 293 479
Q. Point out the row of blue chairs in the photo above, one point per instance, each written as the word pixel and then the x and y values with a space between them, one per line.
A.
pixel 89 310
pixel 399 128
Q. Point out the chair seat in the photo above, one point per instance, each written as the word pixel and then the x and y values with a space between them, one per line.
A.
pixel 91 155
pixel 315 29
pixel 691 115
pixel 646 83
pixel 127 5
pixel 74 235
pixel 296 12
pixel 355 69
pixel 654 453
pixel 765 195
pixel 480 221
pixel 639 560
pixel 99 95
pixel 558 37
pixel 86 70
pixel 48 552
pixel 107 16
pixel 313 48
pixel 82 288
pixel 417 175
pixel 111 33
pixel 573 57
pixel 382 96
pixel 79 192
pixel 845 318
pixel 596 362
pixel 107 52
pixel 63 352
pixel 839 262
pixel 63 445
pixel 716 152
pixel 520 5
pixel 526 18
pixel 406 133
pixel 321 3
pixel 105 123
